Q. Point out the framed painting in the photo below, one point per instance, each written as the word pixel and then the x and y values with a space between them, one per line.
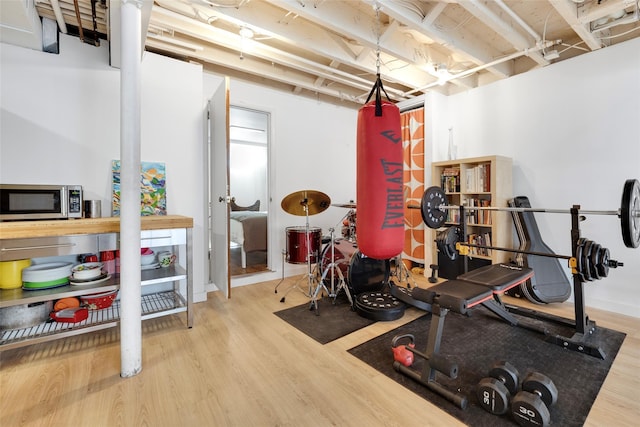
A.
pixel 153 193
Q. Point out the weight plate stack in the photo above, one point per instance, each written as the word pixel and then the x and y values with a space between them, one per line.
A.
pixel 379 306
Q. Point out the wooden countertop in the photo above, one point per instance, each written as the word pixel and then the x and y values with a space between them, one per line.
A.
pixel 28 229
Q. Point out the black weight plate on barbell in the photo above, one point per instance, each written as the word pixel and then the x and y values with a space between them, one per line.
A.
pixel 430 204
pixel 579 252
pixel 379 306
pixel 629 207
pixel 603 265
pixel 446 240
pixel 586 251
pixel 594 259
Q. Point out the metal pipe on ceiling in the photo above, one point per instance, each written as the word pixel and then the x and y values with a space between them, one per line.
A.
pixel 57 11
pixel 470 71
pixel 518 19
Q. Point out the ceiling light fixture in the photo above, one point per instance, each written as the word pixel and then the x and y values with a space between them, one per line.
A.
pixel 246 33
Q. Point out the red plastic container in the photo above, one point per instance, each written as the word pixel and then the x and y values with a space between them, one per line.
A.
pixel 100 300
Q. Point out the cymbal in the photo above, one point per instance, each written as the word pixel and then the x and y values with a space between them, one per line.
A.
pixel 344 205
pixel 303 201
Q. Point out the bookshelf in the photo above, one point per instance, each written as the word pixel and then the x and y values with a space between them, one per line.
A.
pixel 475 182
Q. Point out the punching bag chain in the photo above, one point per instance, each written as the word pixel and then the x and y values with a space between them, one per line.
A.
pixel 377 8
pixel 377 87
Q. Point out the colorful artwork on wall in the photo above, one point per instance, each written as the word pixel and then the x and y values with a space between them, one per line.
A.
pixel 413 143
pixel 153 194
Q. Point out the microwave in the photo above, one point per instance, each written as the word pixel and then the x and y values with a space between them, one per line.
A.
pixel 20 202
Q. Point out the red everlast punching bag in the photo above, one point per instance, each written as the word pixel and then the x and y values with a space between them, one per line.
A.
pixel 379 179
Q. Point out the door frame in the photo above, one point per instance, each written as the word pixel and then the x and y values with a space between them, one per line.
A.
pixel 270 180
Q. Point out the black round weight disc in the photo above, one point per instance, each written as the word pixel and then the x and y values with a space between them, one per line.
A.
pixel 432 199
pixel 629 208
pixel 379 306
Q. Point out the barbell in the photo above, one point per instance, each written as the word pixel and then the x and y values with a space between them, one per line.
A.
pixel 434 207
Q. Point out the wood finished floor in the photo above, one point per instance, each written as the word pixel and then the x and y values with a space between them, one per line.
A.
pixel 240 365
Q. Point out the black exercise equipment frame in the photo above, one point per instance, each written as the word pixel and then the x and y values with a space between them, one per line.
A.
pixel 584 327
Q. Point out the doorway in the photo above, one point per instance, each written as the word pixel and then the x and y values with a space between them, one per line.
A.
pixel 249 135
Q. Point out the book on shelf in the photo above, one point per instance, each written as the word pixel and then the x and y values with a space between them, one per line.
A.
pixel 450 180
pixel 478 179
pixel 478 216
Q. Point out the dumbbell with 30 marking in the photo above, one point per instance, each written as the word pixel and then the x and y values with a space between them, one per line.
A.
pixel 495 391
pixel 530 407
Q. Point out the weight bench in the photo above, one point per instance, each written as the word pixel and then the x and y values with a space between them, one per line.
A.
pixel 478 287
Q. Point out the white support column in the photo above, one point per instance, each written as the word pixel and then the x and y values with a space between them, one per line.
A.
pixel 130 299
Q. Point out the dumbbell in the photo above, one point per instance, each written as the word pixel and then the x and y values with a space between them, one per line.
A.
pixel 434 271
pixel 530 407
pixel 494 392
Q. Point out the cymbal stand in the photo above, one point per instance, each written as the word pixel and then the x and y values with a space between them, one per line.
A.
pixel 333 268
pixel 401 272
pixel 284 253
pixel 310 275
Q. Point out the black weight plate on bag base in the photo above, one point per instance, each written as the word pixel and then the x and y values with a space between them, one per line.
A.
pixel 379 306
pixel 432 199
pixel 629 208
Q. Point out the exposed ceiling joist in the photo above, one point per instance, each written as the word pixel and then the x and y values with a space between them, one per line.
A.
pixel 333 49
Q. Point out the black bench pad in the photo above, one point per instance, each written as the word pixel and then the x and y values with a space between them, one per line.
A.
pixel 498 277
pixel 455 295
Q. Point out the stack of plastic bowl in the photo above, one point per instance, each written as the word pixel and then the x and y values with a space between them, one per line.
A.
pixel 87 271
pixel 46 276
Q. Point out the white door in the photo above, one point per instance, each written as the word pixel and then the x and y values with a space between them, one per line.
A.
pixel 219 188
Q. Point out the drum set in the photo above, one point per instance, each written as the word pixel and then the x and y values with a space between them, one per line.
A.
pixel 339 265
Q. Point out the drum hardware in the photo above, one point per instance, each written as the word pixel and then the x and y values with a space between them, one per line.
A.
pixel 332 267
pixel 348 224
pixel 305 203
pixel 401 272
pixel 350 205
pixel 362 274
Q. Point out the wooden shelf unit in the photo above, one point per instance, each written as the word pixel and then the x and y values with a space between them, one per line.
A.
pixel 481 181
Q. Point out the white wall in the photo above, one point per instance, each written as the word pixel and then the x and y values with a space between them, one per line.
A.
pixel 60 118
pixel 572 131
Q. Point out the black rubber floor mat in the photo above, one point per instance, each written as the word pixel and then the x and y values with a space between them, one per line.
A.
pixel 476 342
pixel 332 322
